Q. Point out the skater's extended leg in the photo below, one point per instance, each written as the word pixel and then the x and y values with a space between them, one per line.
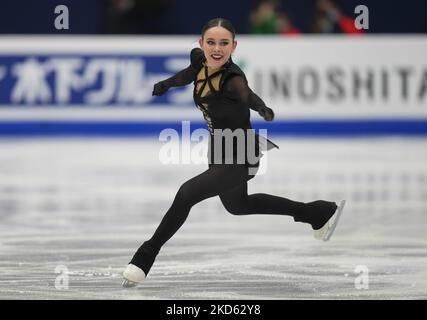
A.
pixel 210 183
pixel 238 202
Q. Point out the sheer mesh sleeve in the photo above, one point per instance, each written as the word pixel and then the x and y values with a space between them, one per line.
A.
pixel 187 75
pixel 239 86
pixel 182 78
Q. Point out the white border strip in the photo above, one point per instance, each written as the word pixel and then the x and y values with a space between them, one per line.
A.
pixel 161 113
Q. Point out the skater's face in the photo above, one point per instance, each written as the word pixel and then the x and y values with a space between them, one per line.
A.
pixel 218 45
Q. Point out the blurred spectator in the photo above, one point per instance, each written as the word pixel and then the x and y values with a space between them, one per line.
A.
pixel 266 17
pixel 329 18
pixel 130 16
pixel 263 18
pixel 286 26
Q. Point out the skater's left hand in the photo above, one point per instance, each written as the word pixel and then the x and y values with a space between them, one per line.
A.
pixel 266 113
pixel 159 89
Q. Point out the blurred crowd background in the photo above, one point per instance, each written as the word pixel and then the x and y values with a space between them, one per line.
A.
pixel 286 17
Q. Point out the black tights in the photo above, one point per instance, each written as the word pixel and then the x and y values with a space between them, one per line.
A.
pixel 229 182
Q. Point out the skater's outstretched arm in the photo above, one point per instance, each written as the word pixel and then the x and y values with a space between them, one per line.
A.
pixel 183 77
pixel 239 85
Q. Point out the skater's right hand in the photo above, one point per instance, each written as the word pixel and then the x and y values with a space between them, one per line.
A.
pixel 159 89
pixel 266 113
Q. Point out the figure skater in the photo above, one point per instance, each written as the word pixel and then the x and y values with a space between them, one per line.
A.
pixel 222 93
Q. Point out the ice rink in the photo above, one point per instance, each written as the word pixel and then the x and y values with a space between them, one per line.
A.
pixel 73 211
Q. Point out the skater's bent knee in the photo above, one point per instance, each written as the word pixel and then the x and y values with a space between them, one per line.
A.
pixel 185 195
pixel 235 209
pixel 182 194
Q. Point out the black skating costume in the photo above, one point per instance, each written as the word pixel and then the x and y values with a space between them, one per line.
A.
pixel 225 98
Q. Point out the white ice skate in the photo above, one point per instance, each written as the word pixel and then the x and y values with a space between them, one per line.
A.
pixel 325 232
pixel 132 276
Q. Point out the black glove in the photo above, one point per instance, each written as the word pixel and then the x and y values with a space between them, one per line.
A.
pixel 159 89
pixel 266 113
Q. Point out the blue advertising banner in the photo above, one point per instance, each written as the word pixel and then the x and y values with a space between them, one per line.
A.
pixel 92 80
pixel 103 86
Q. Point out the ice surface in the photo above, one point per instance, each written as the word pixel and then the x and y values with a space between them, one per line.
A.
pixel 87 204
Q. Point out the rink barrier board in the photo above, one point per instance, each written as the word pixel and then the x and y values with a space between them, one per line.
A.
pixel 334 75
pixel 101 86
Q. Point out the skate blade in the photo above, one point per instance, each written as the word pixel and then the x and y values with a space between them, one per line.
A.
pixel 334 224
pixel 129 284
